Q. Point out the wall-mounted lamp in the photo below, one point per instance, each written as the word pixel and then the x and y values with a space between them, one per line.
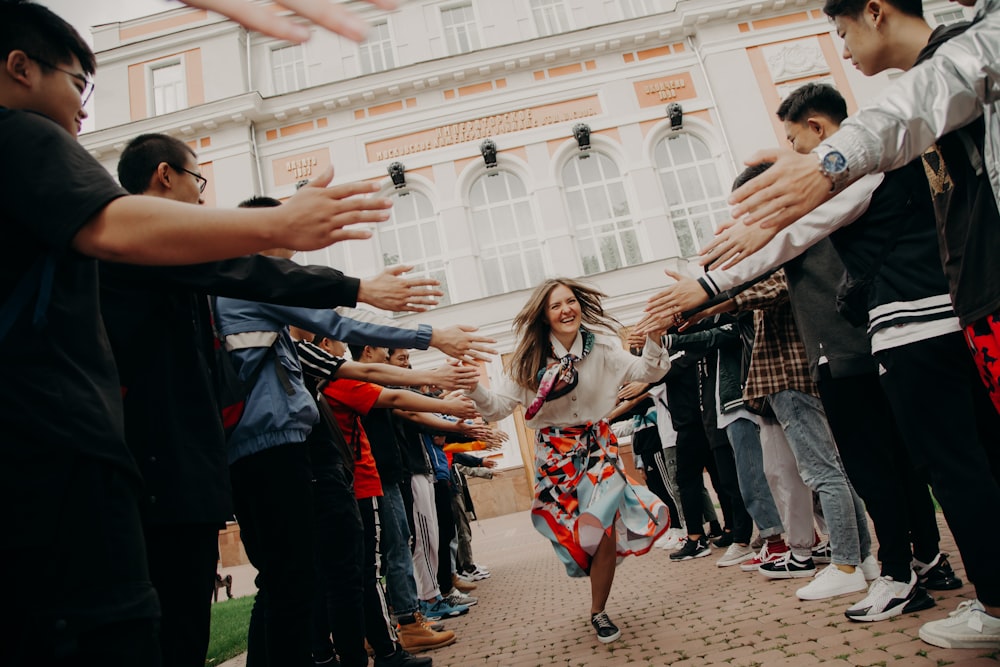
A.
pixel 397 172
pixel 675 112
pixel 489 150
pixel 581 132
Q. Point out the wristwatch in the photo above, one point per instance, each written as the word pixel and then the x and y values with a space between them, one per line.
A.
pixel 833 165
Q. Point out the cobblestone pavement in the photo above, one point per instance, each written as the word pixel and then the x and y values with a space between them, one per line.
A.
pixel 672 613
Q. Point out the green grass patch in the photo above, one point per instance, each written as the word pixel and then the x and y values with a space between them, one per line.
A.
pixel 228 637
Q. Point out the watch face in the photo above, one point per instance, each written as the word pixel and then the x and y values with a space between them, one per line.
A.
pixel 834 162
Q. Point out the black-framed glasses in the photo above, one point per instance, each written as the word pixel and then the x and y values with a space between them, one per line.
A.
pixel 88 85
pixel 202 181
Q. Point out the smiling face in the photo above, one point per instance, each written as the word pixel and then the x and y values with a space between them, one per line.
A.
pixel 563 313
pixel 59 94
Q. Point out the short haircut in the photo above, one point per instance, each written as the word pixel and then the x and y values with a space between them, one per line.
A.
pixel 259 202
pixel 751 173
pixel 40 33
pixel 356 350
pixel 813 98
pixel 853 8
pixel 144 154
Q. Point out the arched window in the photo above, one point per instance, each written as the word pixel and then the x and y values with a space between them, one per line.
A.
pixel 598 208
pixel 411 236
pixel 690 182
pixel 509 249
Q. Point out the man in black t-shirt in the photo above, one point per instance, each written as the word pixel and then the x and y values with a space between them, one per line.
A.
pixel 67 481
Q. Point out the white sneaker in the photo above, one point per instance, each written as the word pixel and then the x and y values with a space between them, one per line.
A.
pixel 969 626
pixel 886 598
pixel 735 554
pixel 870 568
pixel 831 582
pixel 670 540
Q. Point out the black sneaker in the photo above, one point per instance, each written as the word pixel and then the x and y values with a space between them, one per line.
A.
pixel 937 575
pixel 724 541
pixel 920 601
pixel 402 659
pixel 788 567
pixel 714 530
pixel 607 631
pixel 692 549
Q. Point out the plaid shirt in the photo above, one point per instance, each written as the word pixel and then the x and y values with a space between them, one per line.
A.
pixel 779 360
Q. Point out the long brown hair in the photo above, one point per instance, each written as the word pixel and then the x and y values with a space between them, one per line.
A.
pixel 532 327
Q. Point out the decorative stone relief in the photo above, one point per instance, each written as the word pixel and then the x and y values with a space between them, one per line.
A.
pixel 795 60
pixel 785 89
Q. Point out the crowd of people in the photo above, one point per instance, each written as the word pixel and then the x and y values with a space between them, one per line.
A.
pixel 167 366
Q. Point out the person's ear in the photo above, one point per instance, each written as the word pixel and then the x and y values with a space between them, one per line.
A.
pixel 816 126
pixel 874 13
pixel 17 67
pixel 162 176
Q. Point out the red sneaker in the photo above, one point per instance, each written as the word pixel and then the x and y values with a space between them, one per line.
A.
pixel 770 552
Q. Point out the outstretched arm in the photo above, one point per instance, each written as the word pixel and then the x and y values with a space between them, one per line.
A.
pixel 330 15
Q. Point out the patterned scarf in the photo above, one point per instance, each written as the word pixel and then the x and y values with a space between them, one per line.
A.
pixel 560 377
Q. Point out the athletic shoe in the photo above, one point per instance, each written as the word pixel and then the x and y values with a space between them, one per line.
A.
pixel 821 553
pixel 937 575
pixel 870 568
pixel 607 631
pixel 831 582
pixel 692 549
pixel 457 598
pixel 670 540
pixel 724 541
pixel 770 552
pixel 439 609
pixel 969 626
pixel 402 659
pixel 919 601
pixel 477 573
pixel 735 554
pixel 789 566
pixel 886 598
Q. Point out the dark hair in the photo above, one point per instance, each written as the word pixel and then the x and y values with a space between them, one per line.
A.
pixel 853 8
pixel 751 173
pixel 259 202
pixel 40 33
pixel 144 154
pixel 356 350
pixel 813 98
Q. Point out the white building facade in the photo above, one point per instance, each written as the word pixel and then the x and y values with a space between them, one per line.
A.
pixel 438 78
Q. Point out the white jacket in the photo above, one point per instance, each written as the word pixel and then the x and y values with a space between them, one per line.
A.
pixel 960 83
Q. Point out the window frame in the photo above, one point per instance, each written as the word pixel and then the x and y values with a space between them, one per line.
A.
pixel 272 51
pixel 390 40
pixel 556 4
pixel 442 257
pixel 178 61
pixel 475 26
pixel 591 227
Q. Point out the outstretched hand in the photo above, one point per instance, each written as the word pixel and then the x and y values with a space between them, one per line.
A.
pixel 666 308
pixel 389 290
pixel 318 216
pixel 330 15
pixel 792 187
pixel 460 342
pixel 735 242
pixel 459 406
pixel 456 376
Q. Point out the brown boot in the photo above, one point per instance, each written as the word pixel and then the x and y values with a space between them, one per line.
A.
pixel 462 585
pixel 416 637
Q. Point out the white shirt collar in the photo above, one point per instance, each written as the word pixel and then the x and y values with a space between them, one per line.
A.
pixel 576 349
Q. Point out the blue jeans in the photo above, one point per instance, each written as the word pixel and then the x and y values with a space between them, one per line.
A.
pixel 402 588
pixel 808 434
pixel 745 438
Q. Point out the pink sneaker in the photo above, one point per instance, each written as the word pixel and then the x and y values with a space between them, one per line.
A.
pixel 770 552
